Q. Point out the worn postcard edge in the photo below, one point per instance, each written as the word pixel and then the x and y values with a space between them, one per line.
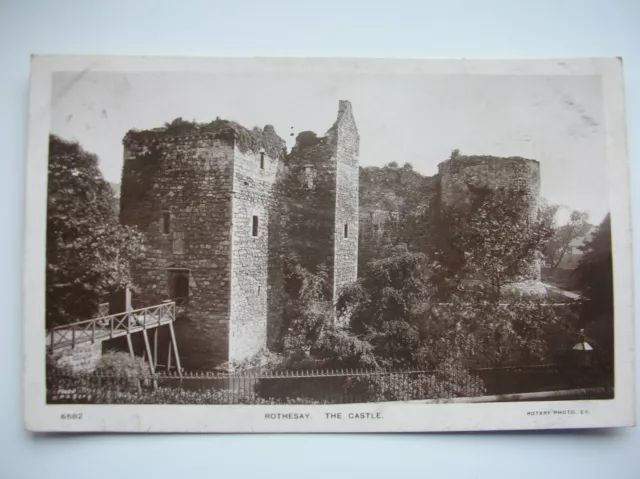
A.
pixel 392 417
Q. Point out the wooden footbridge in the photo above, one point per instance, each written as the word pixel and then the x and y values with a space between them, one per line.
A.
pixel 104 328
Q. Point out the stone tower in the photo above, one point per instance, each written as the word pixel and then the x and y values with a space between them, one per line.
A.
pixel 202 195
pixel 322 183
pixel 461 175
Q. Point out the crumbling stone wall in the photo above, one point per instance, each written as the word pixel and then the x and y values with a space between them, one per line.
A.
pixel 308 191
pixel 207 183
pixel 321 191
pixel 187 180
pixel 379 229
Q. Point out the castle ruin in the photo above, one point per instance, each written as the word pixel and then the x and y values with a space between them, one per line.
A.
pixel 212 199
pixel 451 192
pixel 204 198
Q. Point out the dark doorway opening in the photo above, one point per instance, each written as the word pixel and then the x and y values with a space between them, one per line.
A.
pixel 179 287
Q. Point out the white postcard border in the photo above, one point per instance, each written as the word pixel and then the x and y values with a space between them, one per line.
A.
pixel 387 417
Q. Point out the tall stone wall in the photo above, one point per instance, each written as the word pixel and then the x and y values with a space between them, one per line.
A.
pixel 254 177
pixel 186 180
pixel 321 190
pixel 346 222
pixel 311 189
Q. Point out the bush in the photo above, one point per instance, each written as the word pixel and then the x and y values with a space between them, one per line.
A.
pixel 115 363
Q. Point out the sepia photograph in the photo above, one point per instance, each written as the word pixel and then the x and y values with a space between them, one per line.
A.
pixel 329 241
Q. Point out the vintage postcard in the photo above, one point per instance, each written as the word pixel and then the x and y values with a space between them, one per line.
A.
pixel 327 245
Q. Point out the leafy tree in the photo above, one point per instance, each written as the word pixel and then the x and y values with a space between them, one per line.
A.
pixel 562 237
pixel 594 276
pixel 493 334
pixel 88 251
pixel 396 308
pixel 179 126
pixel 386 307
pixel 313 337
pixel 499 239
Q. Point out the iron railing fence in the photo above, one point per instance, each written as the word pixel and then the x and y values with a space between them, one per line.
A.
pixel 312 387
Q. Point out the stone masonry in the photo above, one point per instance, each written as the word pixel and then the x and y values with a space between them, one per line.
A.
pixel 218 203
pixel 204 199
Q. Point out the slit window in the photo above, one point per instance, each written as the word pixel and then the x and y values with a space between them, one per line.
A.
pixel 166 222
pixel 262 160
pixel 254 226
pixel 346 230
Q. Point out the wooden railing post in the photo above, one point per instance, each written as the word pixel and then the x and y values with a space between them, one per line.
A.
pixel 93 332
pixel 73 337
pixel 51 344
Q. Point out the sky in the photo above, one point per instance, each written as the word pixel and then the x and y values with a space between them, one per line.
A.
pixel 420 119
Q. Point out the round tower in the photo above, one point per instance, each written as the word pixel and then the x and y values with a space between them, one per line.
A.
pixel 464 178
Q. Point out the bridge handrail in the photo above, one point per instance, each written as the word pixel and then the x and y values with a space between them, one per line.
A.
pixel 110 316
pixel 111 323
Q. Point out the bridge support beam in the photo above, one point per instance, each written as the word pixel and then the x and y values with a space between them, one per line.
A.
pixel 175 349
pixel 133 355
pixel 150 357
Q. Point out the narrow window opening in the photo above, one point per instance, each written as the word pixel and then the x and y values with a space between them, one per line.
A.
pixel 254 226
pixel 166 222
pixel 262 160
pixel 346 230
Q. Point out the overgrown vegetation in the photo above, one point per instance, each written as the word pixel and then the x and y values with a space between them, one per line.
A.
pixel 253 140
pixel 88 252
pixel 440 303
pixel 594 277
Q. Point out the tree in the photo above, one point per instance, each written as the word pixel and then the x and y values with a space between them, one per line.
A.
pixel 396 308
pixel 560 242
pixel 499 240
pixel 88 251
pixel 386 306
pixel 594 276
pixel 313 339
